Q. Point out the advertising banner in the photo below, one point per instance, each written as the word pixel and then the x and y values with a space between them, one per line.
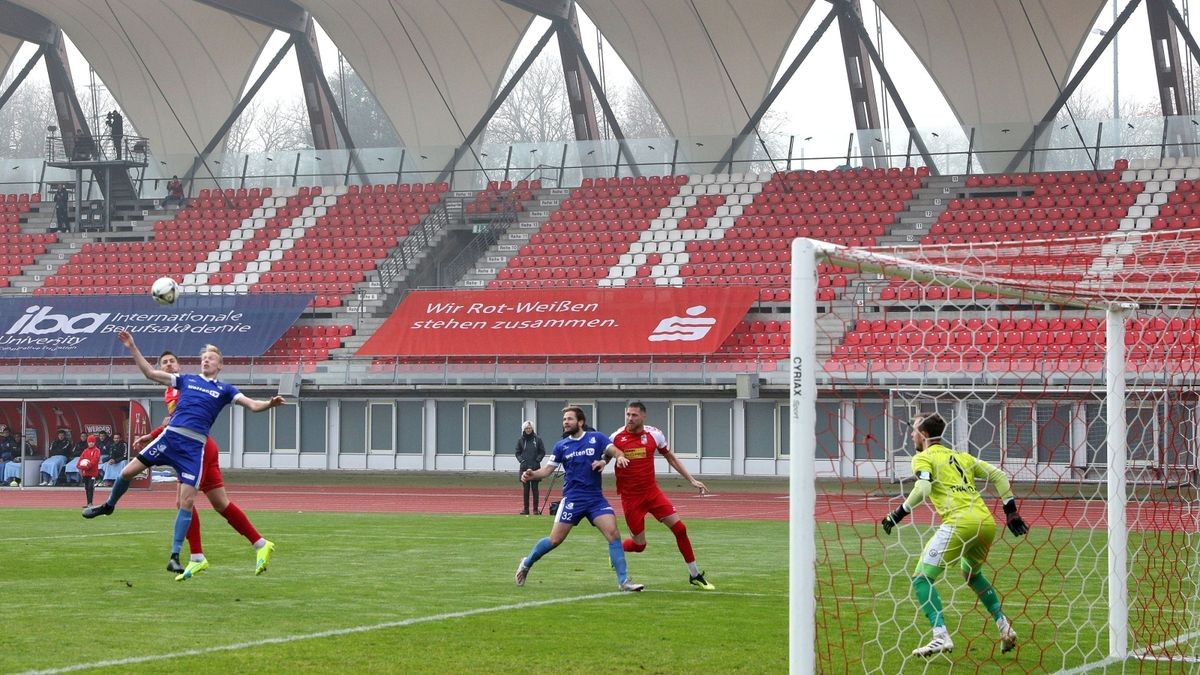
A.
pixel 688 320
pixel 34 327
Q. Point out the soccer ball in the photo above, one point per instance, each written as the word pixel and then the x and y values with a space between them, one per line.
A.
pixel 164 290
pixel 84 464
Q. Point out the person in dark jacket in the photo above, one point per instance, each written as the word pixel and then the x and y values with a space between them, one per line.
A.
pixel 56 458
pixel 530 452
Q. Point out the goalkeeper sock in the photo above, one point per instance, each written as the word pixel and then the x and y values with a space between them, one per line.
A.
pixel 541 548
pixel 929 600
pixel 987 595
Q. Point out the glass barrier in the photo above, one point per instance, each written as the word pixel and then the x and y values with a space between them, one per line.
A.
pixel 990 148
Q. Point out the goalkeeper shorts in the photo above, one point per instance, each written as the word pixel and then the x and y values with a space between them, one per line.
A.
pixel 968 541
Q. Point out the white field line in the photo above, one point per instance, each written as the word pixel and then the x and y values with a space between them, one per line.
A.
pixel 110 663
pixel 1135 654
pixel 78 536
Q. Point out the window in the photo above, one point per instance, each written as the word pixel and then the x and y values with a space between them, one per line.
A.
pixel 410 427
pixel 352 425
pixel 381 422
pixel 479 426
pixel 312 427
pixel 285 421
pixel 684 435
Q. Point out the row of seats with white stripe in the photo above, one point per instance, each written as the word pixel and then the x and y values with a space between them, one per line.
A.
pixel 270 212
pixel 721 189
pixel 677 246
pixel 735 177
pixel 1139 223
pixel 713 231
pixel 639 259
pixel 1190 173
pixel 1164 163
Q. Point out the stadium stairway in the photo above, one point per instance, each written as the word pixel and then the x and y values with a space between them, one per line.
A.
pixel 534 204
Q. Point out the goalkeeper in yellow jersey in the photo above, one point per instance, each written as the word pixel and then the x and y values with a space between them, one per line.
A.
pixel 947 478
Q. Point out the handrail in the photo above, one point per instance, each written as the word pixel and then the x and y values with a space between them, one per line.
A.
pixel 410 248
pixel 489 234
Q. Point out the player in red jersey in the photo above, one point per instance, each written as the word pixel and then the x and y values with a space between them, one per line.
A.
pixel 639 489
pixel 213 487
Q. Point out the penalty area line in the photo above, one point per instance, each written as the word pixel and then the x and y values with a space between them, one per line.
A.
pixel 77 536
pixel 318 635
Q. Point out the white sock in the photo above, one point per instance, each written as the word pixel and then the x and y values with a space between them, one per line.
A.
pixel 942 633
pixel 692 569
pixel 197 557
pixel 260 543
pixel 1002 624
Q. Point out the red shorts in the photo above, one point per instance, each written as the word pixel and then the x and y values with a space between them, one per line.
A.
pixel 636 506
pixel 210 475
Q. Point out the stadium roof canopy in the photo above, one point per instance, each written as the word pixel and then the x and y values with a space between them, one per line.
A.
pixel 181 65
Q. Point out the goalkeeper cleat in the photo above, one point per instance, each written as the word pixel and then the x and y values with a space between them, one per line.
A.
pixel 700 581
pixel 174 566
pixel 522 572
pixel 1008 640
pixel 629 587
pixel 104 509
pixel 262 557
pixel 936 646
pixel 193 568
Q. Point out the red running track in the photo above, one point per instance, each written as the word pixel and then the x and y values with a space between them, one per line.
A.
pixel 845 509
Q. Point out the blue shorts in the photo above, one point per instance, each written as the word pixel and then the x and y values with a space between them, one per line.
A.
pixel 180 452
pixel 573 508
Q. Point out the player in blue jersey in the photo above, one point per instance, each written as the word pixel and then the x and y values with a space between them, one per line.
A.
pixel 181 444
pixel 583 456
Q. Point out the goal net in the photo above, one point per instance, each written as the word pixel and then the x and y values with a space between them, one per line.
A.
pixel 1068 362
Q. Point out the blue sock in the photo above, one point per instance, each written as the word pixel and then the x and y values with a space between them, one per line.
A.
pixel 183 519
pixel 120 485
pixel 539 549
pixel 616 553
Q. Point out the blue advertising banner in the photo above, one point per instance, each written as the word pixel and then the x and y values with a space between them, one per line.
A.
pixel 33 327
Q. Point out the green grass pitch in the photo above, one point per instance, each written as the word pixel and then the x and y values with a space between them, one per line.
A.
pixel 384 593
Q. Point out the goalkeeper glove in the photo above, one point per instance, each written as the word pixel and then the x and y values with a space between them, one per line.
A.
pixel 893 519
pixel 1013 520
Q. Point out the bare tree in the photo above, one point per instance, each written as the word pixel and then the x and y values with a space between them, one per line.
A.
pixel 635 113
pixel 537 109
pixel 369 124
pixel 24 120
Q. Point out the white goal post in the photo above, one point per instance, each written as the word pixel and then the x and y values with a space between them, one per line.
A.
pixel 1121 280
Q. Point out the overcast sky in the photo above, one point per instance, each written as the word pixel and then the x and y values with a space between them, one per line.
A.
pixel 822 72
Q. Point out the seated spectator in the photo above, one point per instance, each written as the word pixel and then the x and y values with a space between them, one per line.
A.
pixel 56 458
pixel 72 467
pixel 104 442
pixel 10 457
pixel 174 191
pixel 118 457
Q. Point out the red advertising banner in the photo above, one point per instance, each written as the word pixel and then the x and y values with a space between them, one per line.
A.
pixel 691 320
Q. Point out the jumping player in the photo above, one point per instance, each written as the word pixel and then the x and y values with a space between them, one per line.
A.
pixel 639 489
pixel 213 487
pixel 583 456
pixel 181 444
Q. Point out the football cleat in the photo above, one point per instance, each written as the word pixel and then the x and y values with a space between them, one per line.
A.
pixel 174 566
pixel 104 509
pixel 1008 640
pixel 193 568
pixel 629 587
pixel 262 557
pixel 522 572
pixel 700 581
pixel 936 646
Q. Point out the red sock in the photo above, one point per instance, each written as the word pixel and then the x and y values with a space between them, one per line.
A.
pixel 238 521
pixel 682 541
pixel 632 546
pixel 193 533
